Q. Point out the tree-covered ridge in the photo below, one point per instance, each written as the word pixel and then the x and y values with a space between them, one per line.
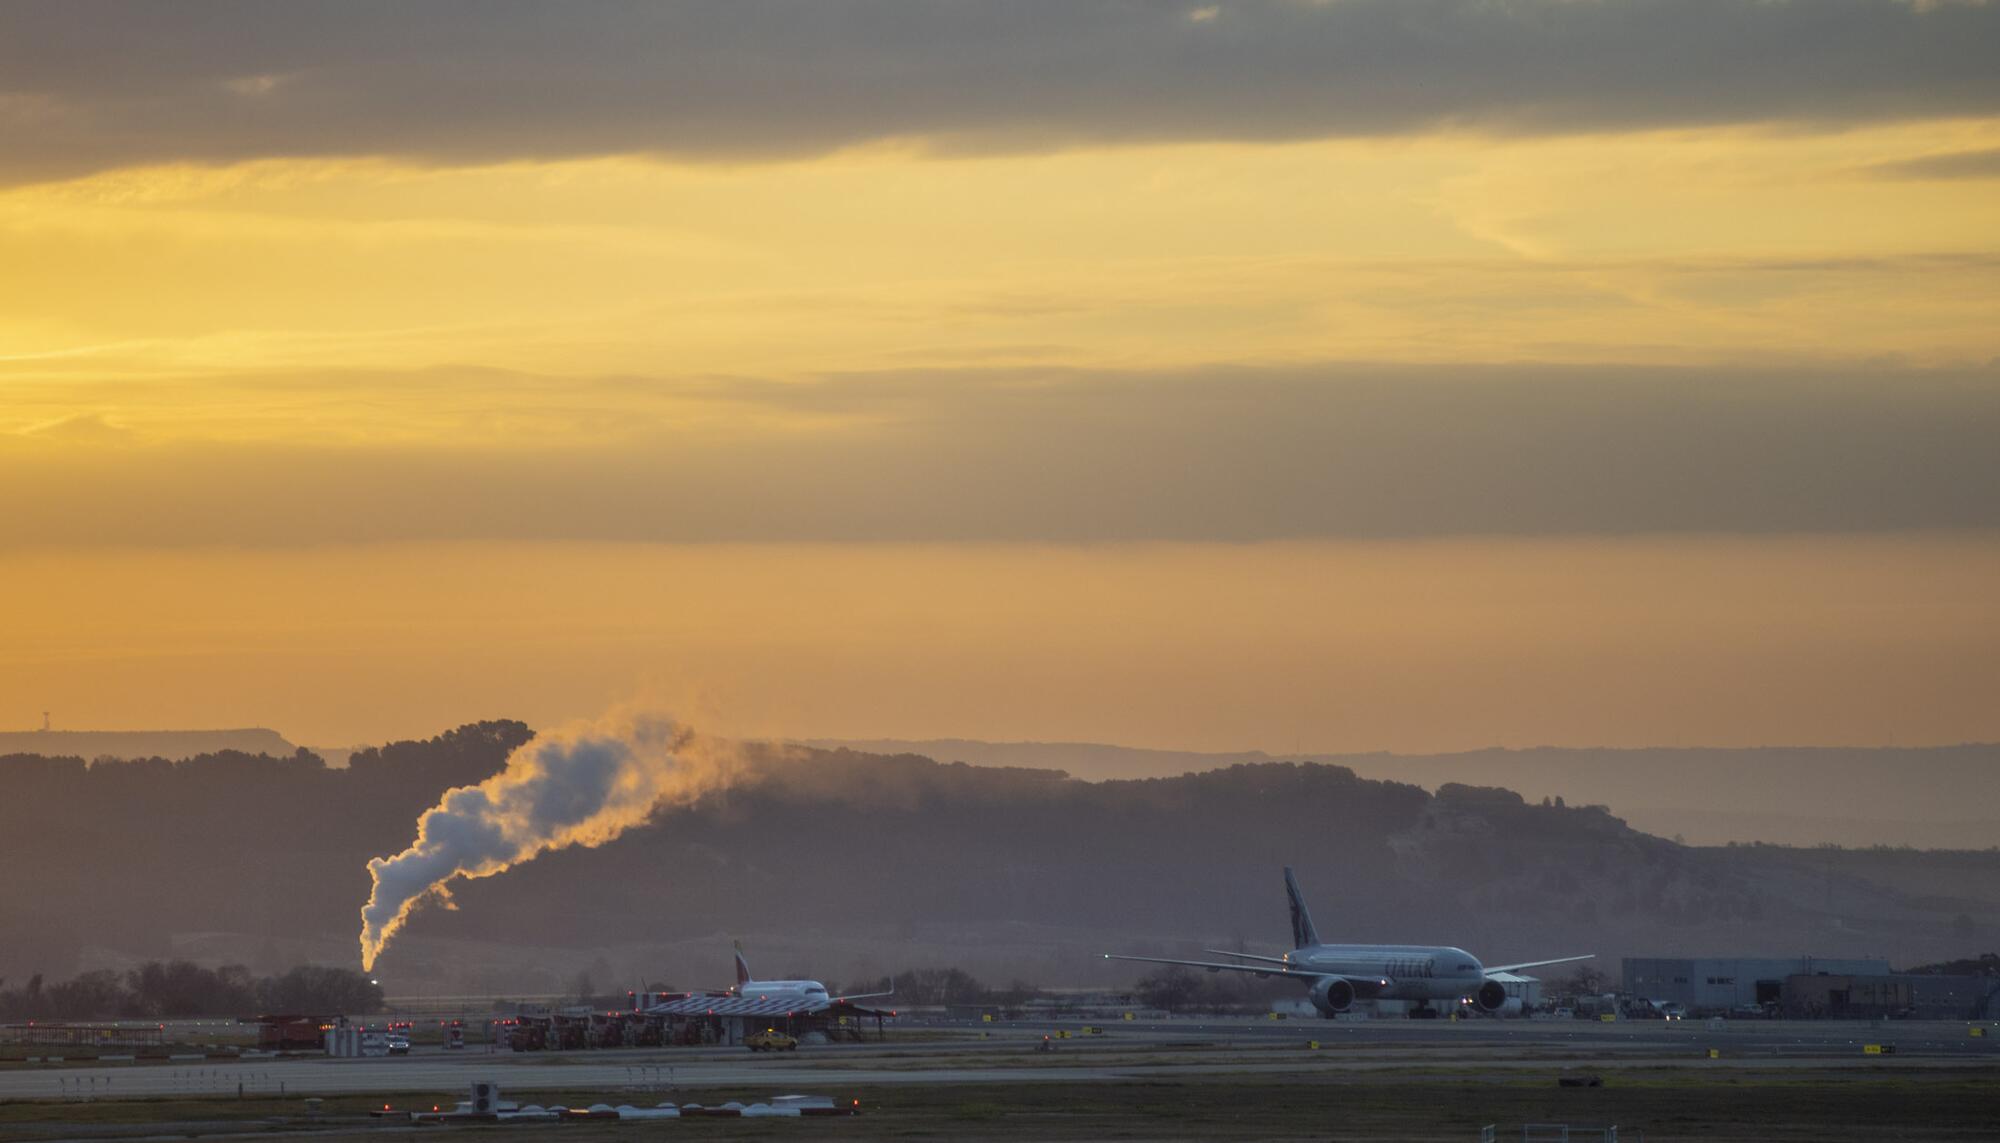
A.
pixel 178 990
pixel 261 861
pixel 120 856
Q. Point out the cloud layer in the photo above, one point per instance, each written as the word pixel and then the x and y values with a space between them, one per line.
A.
pixel 94 85
pixel 1054 455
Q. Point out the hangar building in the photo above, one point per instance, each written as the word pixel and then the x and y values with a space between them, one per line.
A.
pixel 1719 983
pixel 1918 996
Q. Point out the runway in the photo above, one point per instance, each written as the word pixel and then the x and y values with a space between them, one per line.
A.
pixel 956 1053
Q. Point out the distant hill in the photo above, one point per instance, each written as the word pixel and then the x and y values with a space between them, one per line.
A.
pixel 852 865
pixel 1930 797
pixel 174 745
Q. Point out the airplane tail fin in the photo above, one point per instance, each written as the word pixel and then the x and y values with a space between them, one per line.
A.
pixel 1303 933
pixel 742 966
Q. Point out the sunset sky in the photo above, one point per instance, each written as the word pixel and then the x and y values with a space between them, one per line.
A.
pixel 1294 374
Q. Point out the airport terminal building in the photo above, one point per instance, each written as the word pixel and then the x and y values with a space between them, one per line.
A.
pixel 1722 983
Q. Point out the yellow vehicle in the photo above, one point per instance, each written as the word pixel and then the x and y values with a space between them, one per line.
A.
pixel 771 1040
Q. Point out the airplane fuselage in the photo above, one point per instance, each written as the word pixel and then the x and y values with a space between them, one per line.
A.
pixel 1399 972
pixel 1336 976
pixel 806 992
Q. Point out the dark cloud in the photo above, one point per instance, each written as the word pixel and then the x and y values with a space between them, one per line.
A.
pixel 89 84
pixel 1029 455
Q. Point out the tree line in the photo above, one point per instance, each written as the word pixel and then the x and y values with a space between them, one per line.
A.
pixel 175 990
pixel 915 987
pixel 1179 989
pixel 1173 989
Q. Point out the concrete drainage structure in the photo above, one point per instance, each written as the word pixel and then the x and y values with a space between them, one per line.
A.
pixel 486 1106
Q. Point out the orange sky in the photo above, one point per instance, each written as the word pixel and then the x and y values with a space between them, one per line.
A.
pixel 1432 645
pixel 359 379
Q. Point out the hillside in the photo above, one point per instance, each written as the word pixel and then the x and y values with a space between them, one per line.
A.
pixel 850 864
pixel 173 745
pixel 1921 796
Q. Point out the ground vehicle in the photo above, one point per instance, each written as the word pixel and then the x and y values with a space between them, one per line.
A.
pixel 399 1044
pixel 771 1040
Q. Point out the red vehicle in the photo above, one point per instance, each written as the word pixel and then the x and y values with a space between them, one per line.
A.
pixel 290 1033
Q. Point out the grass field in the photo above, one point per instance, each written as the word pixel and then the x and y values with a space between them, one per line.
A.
pixel 1961 1105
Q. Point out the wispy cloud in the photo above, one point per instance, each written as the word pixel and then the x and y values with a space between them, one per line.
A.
pixel 1978 164
pixel 81 428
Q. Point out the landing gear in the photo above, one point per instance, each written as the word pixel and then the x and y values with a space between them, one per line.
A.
pixel 1423 1012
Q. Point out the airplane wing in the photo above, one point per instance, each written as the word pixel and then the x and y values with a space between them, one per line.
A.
pixel 1247 956
pixel 1493 968
pixel 1217 966
pixel 862 996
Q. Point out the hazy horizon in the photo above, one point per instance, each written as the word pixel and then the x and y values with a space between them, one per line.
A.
pixel 1924 797
pixel 58 734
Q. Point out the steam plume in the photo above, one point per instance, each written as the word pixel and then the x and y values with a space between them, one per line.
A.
pixel 579 785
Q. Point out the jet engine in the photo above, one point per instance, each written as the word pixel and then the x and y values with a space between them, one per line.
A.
pixel 1490 996
pixel 1332 995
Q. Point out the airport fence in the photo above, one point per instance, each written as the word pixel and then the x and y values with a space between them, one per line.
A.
pixel 184 1081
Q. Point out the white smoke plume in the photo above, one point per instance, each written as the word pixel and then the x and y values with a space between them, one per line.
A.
pixel 582 784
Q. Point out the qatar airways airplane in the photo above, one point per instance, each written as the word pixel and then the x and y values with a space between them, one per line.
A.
pixel 1338 975
pixel 758 997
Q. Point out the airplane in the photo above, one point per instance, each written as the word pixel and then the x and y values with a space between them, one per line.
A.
pixel 1338 975
pixel 751 997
